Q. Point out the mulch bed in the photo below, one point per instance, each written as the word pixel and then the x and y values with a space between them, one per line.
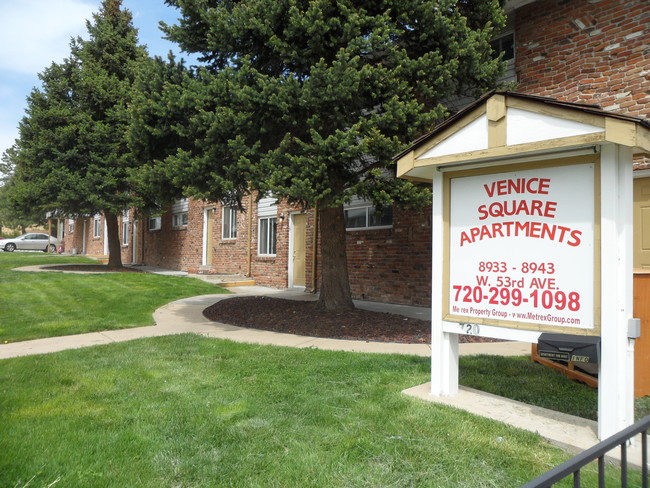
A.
pixel 303 318
pixel 92 268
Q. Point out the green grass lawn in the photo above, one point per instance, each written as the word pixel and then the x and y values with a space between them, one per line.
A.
pixel 518 378
pixel 36 305
pixel 189 411
pixel 195 412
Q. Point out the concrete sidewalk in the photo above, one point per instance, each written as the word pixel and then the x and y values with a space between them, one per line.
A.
pixel 186 316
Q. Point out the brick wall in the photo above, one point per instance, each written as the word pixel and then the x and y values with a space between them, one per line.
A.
pixel 273 271
pixel 134 238
pixel 179 248
pixel 385 265
pixel 74 241
pixel 232 255
pixel 393 265
pixel 582 51
pixel 182 248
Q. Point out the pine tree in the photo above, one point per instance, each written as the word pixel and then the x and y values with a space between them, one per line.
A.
pixel 309 100
pixel 72 153
pixel 11 217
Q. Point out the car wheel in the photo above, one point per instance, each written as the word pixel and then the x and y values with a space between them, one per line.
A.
pixel 51 248
pixel 11 247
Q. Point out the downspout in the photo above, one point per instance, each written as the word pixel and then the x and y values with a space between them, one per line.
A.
pixel 314 250
pixel 250 236
pixel 83 238
pixel 134 240
pixel 145 228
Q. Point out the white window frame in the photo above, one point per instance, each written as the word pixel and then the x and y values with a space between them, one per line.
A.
pixel 125 228
pixel 70 226
pixel 267 235
pixel 97 226
pixel 157 223
pixel 360 204
pixel 180 220
pixel 180 213
pixel 125 233
pixel 229 223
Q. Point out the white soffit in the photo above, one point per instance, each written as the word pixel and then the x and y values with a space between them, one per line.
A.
pixel 525 127
pixel 472 137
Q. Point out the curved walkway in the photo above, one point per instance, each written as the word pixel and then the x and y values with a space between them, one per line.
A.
pixel 186 316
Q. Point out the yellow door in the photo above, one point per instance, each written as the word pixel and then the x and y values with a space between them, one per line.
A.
pixel 299 254
pixel 642 223
pixel 209 238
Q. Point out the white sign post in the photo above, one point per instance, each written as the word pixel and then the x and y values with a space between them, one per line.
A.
pixel 616 369
pixel 543 247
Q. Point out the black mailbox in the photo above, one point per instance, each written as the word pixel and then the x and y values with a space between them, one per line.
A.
pixel 566 347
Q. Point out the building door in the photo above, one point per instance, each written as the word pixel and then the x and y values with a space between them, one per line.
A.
pixel 298 251
pixel 208 238
pixel 642 223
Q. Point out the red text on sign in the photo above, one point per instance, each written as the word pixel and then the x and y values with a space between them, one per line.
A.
pixel 518 207
pixel 516 297
pixel 519 185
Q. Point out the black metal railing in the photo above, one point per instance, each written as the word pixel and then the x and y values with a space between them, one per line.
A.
pixel 598 452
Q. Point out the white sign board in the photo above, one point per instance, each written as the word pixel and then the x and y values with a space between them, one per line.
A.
pixel 522 249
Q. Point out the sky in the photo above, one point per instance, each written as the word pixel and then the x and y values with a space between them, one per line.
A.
pixel 35 33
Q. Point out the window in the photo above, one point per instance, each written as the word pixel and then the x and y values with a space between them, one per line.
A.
pixel 179 220
pixel 506 44
pixel 125 228
pixel 361 214
pixel 70 226
pixel 267 233
pixel 267 212
pixel 154 223
pixel 180 213
pixel 97 226
pixel 229 223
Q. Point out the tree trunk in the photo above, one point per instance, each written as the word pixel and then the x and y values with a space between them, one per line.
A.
pixel 113 236
pixel 335 285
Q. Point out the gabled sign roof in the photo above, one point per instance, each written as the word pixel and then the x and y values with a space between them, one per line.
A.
pixel 504 125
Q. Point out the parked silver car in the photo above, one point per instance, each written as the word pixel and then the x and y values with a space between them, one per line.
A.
pixel 33 241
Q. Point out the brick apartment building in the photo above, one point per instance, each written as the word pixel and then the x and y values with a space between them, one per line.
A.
pixel 581 51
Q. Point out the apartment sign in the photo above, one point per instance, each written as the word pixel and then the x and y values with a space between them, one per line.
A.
pixel 521 248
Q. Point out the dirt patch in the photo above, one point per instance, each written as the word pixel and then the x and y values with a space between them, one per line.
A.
pixel 303 318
